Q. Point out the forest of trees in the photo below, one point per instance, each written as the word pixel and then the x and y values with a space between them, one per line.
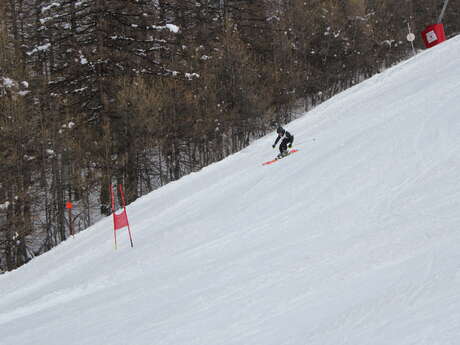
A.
pixel 143 92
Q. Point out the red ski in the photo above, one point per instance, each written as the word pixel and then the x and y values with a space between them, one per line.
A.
pixel 277 159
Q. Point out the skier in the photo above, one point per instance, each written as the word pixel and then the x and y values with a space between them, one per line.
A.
pixel 287 141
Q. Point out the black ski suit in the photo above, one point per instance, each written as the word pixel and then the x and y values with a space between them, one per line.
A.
pixel 288 139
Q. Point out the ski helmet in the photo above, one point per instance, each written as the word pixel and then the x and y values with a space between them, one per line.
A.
pixel 280 130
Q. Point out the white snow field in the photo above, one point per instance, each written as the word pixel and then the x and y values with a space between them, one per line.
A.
pixel 353 240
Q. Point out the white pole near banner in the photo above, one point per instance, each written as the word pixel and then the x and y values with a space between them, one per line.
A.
pixel 443 11
pixel 411 38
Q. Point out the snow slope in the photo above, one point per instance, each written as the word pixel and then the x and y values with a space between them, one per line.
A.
pixel 353 240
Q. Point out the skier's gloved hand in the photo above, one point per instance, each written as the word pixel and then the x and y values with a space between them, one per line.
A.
pixel 290 145
pixel 273 145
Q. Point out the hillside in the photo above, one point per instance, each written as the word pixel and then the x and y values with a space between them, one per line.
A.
pixel 353 240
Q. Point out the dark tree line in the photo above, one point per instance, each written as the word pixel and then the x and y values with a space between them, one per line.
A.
pixel 143 92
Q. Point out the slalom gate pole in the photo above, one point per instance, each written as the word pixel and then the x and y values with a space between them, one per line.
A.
pixel 113 213
pixel 443 11
pixel 126 214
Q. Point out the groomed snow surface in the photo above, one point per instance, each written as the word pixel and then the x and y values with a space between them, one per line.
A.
pixel 353 240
